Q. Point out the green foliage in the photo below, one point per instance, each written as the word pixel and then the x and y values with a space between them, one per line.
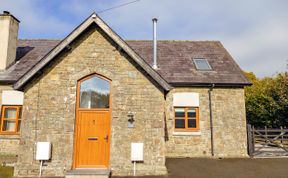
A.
pixel 267 101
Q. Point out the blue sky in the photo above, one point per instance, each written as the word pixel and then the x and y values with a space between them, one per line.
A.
pixel 255 32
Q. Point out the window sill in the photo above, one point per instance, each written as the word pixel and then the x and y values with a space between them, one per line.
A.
pixel 9 136
pixel 187 133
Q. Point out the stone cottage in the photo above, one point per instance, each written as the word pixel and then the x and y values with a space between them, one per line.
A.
pixel 92 96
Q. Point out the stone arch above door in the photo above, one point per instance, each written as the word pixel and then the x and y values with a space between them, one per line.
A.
pixel 99 71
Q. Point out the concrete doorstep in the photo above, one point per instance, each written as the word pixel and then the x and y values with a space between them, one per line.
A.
pixel 88 173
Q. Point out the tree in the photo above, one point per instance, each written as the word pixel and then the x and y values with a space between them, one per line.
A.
pixel 267 101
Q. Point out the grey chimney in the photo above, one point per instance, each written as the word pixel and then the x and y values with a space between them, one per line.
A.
pixel 9 36
pixel 155 66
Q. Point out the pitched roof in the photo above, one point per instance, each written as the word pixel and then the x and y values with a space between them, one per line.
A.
pixel 29 53
pixel 175 61
pixel 92 19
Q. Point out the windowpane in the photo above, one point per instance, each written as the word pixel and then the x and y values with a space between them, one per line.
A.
pixel 11 116
pixel 192 113
pixel 94 93
pixel 179 112
pixel 202 64
pixel 9 125
pixel 180 123
pixel 10 113
pixel 191 123
pixel 186 118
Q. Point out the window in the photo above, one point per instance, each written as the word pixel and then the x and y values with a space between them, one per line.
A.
pixel 94 93
pixel 187 119
pixel 202 64
pixel 10 119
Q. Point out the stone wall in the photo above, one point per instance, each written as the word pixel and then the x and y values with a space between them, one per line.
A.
pixel 229 121
pixel 49 109
pixel 8 143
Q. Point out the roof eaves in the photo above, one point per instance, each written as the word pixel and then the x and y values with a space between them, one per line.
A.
pixel 7 82
pixel 188 84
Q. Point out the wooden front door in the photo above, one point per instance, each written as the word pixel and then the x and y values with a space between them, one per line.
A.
pixel 93 115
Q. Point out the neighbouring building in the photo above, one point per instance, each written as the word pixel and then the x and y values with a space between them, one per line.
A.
pixel 92 95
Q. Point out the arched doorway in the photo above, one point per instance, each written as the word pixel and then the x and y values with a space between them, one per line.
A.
pixel 93 116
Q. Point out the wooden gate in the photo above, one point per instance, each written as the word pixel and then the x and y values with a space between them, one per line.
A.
pixel 267 142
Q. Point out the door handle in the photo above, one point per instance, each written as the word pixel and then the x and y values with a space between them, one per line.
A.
pixel 92 138
pixel 106 138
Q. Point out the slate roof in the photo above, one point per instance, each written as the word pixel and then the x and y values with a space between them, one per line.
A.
pixel 174 60
pixel 29 52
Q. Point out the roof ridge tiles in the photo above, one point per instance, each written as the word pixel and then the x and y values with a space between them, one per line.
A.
pixel 39 39
pixel 179 40
pixel 46 39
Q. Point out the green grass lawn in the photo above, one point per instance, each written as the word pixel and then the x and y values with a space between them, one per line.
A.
pixel 6 172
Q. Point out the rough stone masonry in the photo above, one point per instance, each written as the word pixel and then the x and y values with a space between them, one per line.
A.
pixel 50 103
pixel 49 109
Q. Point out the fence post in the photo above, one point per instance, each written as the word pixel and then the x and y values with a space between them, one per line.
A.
pixel 282 135
pixel 250 141
pixel 253 140
pixel 266 134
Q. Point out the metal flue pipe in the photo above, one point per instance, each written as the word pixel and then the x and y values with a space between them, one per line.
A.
pixel 155 66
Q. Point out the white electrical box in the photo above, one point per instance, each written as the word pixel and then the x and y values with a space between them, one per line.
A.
pixel 43 151
pixel 137 151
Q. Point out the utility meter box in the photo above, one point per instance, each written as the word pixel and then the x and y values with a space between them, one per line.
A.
pixel 43 151
pixel 137 151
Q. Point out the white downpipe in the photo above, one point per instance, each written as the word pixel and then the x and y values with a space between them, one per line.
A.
pixel 134 169
pixel 40 170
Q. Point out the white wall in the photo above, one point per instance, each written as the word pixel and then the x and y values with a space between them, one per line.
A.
pixel 12 97
pixel 186 99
